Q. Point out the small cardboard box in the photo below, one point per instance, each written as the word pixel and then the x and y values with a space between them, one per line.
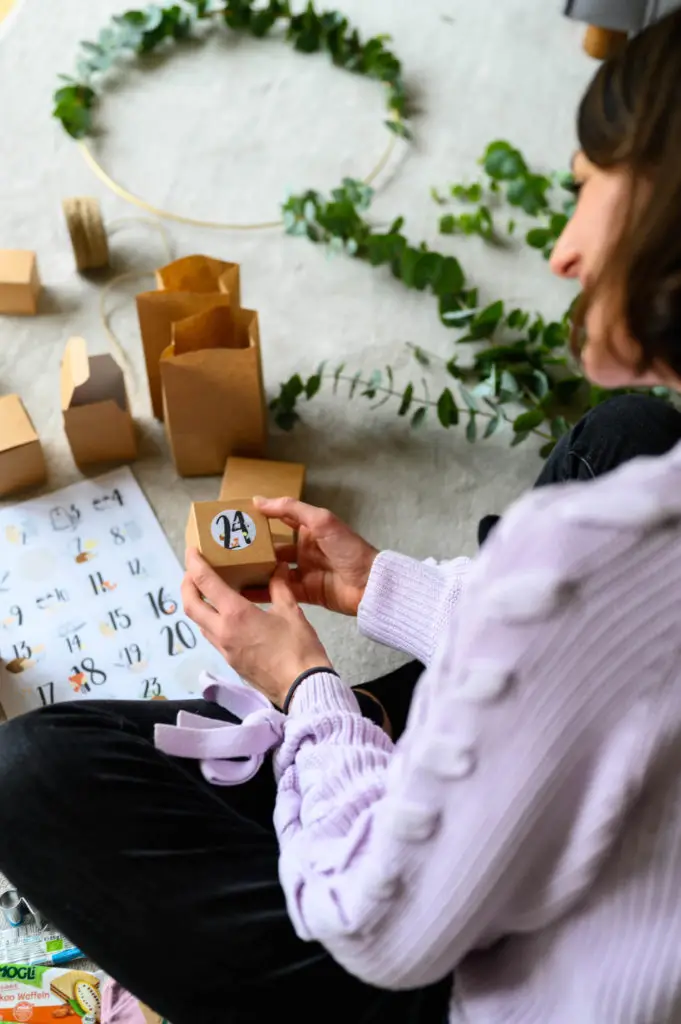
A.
pixel 213 394
pixel 94 402
pixel 187 286
pixel 22 463
pixel 271 480
pixel 235 539
pixel 19 282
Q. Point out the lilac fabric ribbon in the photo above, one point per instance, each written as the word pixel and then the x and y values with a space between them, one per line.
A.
pixel 213 743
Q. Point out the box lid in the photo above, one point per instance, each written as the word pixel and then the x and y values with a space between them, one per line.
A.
pixel 15 424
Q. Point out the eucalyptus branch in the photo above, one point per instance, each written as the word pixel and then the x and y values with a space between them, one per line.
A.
pixel 142 31
pixel 506 173
pixel 481 403
pixel 520 360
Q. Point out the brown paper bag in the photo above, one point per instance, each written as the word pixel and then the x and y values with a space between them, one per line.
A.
pixel 213 394
pixel 94 403
pixel 201 274
pixel 186 286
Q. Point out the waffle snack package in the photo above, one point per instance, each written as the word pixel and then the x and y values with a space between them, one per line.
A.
pixel 42 994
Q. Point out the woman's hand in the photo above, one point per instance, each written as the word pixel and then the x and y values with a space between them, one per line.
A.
pixel 332 561
pixel 268 648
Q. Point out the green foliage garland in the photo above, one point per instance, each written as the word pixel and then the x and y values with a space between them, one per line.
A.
pixel 521 372
pixel 141 31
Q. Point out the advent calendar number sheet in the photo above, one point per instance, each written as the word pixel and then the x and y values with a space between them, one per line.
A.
pixel 90 601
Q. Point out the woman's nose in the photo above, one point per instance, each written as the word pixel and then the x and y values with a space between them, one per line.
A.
pixel 565 258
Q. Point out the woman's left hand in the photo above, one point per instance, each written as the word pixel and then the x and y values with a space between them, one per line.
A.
pixel 268 648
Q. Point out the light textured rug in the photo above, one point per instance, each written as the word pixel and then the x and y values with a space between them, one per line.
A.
pixel 222 130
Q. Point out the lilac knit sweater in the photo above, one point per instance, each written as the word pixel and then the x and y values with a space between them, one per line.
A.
pixel 526 830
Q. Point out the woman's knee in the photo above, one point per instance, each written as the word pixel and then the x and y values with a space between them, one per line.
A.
pixel 38 750
pixel 623 428
pixel 648 425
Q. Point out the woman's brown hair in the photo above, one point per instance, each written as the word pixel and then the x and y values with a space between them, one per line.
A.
pixel 631 116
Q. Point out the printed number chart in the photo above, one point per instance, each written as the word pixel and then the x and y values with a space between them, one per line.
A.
pixel 90 601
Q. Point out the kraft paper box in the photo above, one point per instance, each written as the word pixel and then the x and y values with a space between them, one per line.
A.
pixel 271 480
pixel 213 395
pixel 235 539
pixel 19 282
pixel 94 403
pixel 22 463
pixel 186 287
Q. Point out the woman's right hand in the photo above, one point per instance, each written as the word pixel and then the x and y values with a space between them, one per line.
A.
pixel 332 562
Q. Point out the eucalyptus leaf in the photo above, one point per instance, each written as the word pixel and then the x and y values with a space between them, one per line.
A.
pixel 528 420
pixel 354 383
pixel 419 416
pixel 420 356
pixel 337 376
pixel 537 238
pixel 559 427
pixel 407 398
pixel 485 323
pixel 372 384
pixel 519 438
pixel 468 398
pixel 493 426
pixel 448 224
pixel 313 385
pixel 458 317
pixel 447 410
pixel 471 428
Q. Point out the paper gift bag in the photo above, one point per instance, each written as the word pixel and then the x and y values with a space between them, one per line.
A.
pixel 201 274
pixel 94 404
pixel 185 287
pixel 213 394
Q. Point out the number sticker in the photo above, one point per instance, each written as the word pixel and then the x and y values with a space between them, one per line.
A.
pixel 161 603
pixel 85 674
pixel 119 619
pixel 46 693
pixel 233 529
pixel 151 688
pixel 182 633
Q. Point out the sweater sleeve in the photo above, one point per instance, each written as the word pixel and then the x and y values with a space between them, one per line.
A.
pixel 407 602
pixel 495 810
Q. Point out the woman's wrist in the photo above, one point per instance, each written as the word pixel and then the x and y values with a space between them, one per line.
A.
pixel 300 678
pixel 295 666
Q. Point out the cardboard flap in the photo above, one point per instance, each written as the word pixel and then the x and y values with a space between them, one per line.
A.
pixel 229 284
pixel 213 328
pixel 75 369
pixel 193 274
pixel 16 428
pixel 86 380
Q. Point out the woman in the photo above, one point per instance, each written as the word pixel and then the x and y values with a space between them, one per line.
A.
pixel 516 855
